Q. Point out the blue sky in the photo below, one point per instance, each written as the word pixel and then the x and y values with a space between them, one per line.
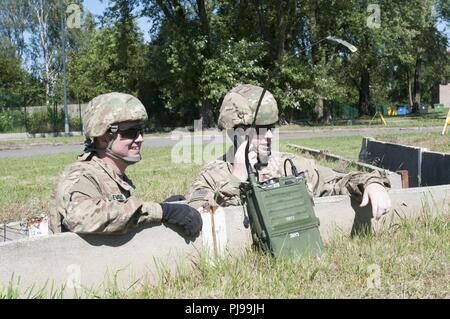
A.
pixel 97 7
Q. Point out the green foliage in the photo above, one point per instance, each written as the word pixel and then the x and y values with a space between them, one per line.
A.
pixel 236 62
pixel 12 120
pixel 50 121
pixel 199 50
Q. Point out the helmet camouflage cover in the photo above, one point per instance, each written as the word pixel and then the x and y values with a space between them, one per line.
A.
pixel 239 107
pixel 107 109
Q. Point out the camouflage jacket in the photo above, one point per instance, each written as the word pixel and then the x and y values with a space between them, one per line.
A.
pixel 215 185
pixel 90 197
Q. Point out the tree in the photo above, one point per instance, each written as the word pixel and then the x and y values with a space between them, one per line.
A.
pixel 14 22
pixel 46 43
pixel 110 59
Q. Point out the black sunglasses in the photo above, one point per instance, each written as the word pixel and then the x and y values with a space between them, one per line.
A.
pixel 132 133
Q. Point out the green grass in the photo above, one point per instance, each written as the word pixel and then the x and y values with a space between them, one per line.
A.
pixel 35 141
pixel 346 146
pixel 433 141
pixel 54 140
pixel 26 183
pixel 410 258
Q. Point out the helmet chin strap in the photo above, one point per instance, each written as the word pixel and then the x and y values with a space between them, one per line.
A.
pixel 127 159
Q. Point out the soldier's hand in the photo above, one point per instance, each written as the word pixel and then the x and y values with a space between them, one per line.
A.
pixel 378 197
pixel 185 216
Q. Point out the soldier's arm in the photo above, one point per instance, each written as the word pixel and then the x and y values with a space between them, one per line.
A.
pixel 88 211
pixel 214 186
pixel 325 181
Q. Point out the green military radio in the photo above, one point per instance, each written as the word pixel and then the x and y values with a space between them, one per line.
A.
pixel 280 211
pixel 281 215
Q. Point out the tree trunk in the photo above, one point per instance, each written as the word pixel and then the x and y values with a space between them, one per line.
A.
pixel 317 59
pixel 207 116
pixel 410 95
pixel 318 110
pixel 364 93
pixel 47 49
pixel 326 112
pixel 417 86
pixel 205 23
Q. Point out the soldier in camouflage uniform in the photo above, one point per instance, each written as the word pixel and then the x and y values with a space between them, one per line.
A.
pixel 93 195
pixel 218 182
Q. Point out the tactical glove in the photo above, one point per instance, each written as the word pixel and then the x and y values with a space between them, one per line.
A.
pixel 174 198
pixel 185 216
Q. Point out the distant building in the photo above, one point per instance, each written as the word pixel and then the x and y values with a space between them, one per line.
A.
pixel 441 94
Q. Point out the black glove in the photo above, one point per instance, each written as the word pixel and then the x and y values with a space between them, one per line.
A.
pixel 174 198
pixel 184 216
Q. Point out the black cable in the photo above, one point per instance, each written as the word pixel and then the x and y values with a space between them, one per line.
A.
pixel 293 168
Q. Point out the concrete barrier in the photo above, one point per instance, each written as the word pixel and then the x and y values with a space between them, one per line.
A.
pixel 87 262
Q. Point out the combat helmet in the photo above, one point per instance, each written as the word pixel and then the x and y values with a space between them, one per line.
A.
pixel 239 106
pixel 104 112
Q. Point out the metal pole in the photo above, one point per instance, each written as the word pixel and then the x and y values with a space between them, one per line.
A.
pixel 66 115
pixel 81 119
pixel 26 118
